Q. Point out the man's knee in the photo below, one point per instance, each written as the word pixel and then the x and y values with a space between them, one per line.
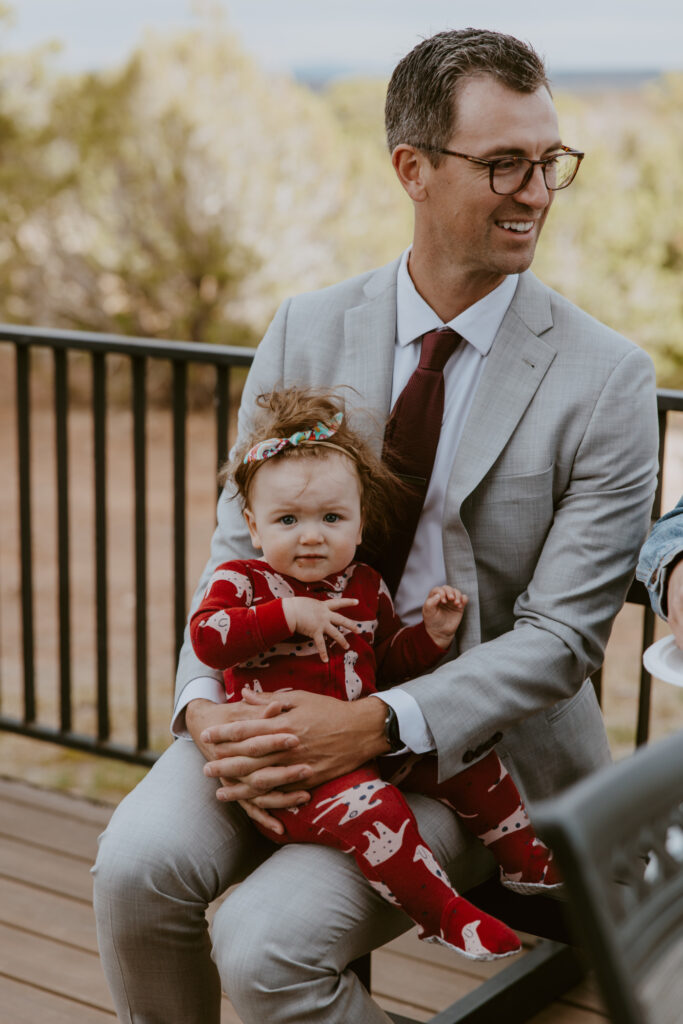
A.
pixel 248 955
pixel 282 941
pixel 272 967
pixel 126 867
pixel 170 840
pixel 132 883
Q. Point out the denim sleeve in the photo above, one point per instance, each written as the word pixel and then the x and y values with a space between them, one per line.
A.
pixel 664 546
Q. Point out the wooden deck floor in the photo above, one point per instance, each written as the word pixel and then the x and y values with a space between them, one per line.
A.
pixel 47 844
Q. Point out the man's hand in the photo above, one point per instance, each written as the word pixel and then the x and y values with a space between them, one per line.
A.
pixel 442 613
pixel 312 739
pixel 674 602
pixel 319 619
pixel 204 715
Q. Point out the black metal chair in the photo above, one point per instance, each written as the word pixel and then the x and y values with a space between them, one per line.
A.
pixel 618 839
pixel 554 966
pixel 530 983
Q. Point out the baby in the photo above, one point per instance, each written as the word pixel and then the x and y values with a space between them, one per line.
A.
pixel 311 488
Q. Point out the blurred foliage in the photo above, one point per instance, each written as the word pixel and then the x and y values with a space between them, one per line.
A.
pixel 185 194
pixel 614 240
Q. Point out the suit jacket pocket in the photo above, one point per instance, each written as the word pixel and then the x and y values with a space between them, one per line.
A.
pixel 558 746
pixel 585 693
pixel 508 518
pixel 500 488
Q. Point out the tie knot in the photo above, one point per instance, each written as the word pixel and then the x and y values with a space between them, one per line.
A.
pixel 437 348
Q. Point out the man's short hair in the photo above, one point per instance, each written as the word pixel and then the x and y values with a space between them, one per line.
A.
pixel 421 98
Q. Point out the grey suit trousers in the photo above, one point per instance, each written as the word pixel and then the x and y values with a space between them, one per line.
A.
pixel 279 943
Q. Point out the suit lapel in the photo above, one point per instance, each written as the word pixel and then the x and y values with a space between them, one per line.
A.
pixel 368 357
pixel 515 366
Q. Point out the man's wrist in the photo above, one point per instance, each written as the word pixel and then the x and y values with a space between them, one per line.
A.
pixel 205 687
pixel 391 730
pixel 370 727
pixel 415 733
pixel 197 703
pixel 196 715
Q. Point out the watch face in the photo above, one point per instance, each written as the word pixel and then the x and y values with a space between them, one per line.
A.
pixel 391 729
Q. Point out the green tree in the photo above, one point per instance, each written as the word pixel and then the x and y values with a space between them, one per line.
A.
pixel 189 193
pixel 122 241
pixel 614 241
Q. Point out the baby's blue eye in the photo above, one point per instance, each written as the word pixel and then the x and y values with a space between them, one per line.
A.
pixel 287 520
pixel 331 517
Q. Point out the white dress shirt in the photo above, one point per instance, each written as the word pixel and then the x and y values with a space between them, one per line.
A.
pixel 425 567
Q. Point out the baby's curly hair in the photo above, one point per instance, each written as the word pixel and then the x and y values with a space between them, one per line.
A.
pixel 282 413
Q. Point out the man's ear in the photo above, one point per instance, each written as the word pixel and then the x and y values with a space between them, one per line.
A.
pixel 251 526
pixel 410 165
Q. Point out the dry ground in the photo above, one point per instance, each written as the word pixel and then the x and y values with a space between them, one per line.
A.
pixel 97 777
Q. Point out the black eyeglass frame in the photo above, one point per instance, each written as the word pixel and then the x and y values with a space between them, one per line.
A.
pixel 492 164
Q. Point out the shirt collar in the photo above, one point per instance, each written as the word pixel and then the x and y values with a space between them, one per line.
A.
pixel 478 324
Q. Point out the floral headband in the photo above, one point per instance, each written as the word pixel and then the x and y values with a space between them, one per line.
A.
pixel 316 435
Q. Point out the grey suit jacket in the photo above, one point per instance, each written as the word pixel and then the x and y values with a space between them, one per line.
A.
pixel 548 503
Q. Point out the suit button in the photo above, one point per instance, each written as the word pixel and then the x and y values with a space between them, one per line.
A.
pixel 468 756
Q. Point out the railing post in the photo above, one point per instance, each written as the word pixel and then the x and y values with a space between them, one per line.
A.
pixel 648 635
pixel 26 545
pixel 222 403
pixel 645 689
pixel 64 576
pixel 99 413
pixel 179 502
pixel 139 367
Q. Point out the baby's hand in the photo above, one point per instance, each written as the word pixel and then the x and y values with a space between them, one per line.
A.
pixel 442 613
pixel 319 619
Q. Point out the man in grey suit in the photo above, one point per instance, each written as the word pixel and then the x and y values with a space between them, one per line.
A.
pixel 537 506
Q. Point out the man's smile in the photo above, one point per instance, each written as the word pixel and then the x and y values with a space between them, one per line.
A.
pixel 518 226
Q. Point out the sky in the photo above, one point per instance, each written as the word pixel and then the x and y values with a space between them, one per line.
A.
pixel 363 36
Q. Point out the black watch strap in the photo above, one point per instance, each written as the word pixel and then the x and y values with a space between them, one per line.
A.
pixel 391 732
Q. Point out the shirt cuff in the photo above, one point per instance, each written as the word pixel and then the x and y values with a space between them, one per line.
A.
pixel 201 688
pixel 655 576
pixel 412 727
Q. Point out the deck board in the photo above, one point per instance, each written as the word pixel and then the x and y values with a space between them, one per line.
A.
pixel 25 1004
pixel 47 844
pixel 59 918
pixel 53 872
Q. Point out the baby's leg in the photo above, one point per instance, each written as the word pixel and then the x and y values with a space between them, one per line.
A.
pixel 362 815
pixel 487 801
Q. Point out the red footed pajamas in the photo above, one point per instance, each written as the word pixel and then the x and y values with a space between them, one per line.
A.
pixel 240 627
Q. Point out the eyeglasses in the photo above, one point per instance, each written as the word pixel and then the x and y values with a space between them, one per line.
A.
pixel 510 174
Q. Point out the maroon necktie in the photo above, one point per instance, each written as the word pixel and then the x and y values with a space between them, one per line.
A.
pixel 410 441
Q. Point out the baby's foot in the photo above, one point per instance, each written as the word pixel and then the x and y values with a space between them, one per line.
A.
pixel 537 873
pixel 474 934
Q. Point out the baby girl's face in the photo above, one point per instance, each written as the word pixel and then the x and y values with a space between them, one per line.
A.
pixel 305 515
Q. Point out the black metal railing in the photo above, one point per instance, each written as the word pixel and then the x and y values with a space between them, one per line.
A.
pixel 668 401
pixel 140 354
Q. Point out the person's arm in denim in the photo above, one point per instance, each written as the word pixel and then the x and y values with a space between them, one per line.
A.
pixel 660 568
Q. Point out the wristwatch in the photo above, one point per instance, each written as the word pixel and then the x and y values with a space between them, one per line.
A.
pixel 391 732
